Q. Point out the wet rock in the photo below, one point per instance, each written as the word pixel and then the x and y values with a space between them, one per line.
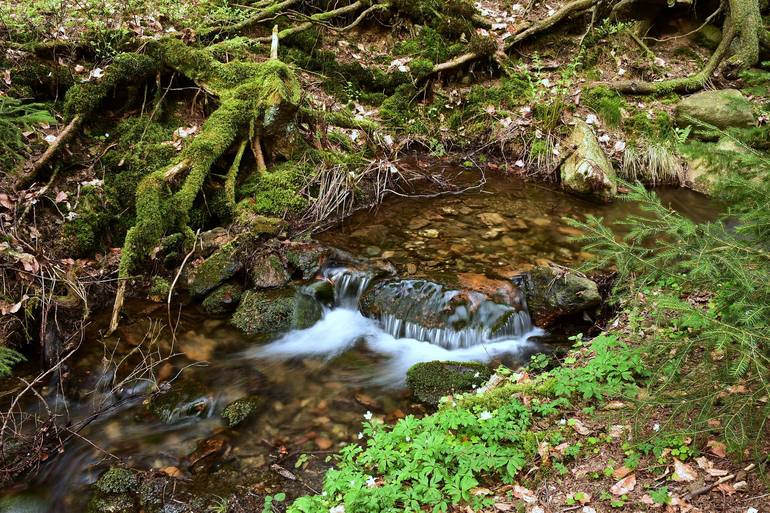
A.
pixel 322 291
pixel 212 240
pixel 429 233
pixel 208 454
pixel 265 311
pixel 587 170
pixel 241 410
pixel 307 311
pixel 724 108
pixel 113 492
pixel 373 251
pixel 491 219
pixel 267 271
pixel 223 299
pixel 555 292
pixel 703 169
pixel 24 503
pixel 180 399
pixel 306 258
pixel 215 270
pixel 430 381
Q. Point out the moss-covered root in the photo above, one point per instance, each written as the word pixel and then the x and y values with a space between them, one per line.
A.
pixel 263 97
pixel 684 84
pixel 82 100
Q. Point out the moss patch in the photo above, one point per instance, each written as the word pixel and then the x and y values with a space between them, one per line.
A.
pixel 263 312
pixel 430 381
pixel 241 410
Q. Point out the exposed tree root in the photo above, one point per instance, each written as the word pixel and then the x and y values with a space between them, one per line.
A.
pixel 315 19
pixel 264 14
pixel 41 163
pixel 683 84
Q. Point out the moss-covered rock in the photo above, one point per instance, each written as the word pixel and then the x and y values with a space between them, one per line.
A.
pixel 554 293
pixel 707 163
pixel 215 270
pixel 241 410
pixel 430 381
pixel 587 170
pixel 223 299
pixel 265 311
pixel 724 108
pixel 267 271
pixel 113 492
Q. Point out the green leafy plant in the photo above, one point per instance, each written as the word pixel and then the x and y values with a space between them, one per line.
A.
pixel 8 358
pixel 15 117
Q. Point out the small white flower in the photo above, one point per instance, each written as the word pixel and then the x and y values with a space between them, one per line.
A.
pixel 408 438
pixel 485 415
pixel 562 422
pixel 621 71
pixel 96 73
pixel 337 509
pixel 368 415
pixel 604 138
pixel 477 374
pixel 474 386
pixel 71 215
pixel 371 482
pixel 360 436
pixel 656 427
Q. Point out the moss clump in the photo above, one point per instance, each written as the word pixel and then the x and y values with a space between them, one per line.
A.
pixel 83 99
pixel 83 234
pixel 641 125
pixel 242 409
pixel 430 381
pixel 398 109
pixel 264 312
pixel 276 192
pixel 159 288
pixel 223 299
pixel 216 269
pixel 606 103
pixel 117 480
pixel 421 68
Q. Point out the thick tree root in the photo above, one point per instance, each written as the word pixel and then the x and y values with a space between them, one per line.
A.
pixel 683 84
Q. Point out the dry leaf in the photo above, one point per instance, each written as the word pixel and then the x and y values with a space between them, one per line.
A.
pixel 61 196
pixel 717 448
pixel 726 488
pixel 646 499
pixel 621 472
pixel 6 201
pixel 624 486
pixel 683 472
pixel 580 427
pixel 524 494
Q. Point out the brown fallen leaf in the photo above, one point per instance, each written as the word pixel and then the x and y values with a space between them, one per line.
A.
pixel 624 486
pixel 708 465
pixel 726 488
pixel 683 472
pixel 717 448
pixel 524 494
pixel 621 472
pixel 579 427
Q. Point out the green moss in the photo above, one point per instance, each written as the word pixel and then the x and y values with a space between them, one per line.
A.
pixel 83 99
pixel 277 191
pixel 264 312
pixel 223 299
pixel 397 110
pixel 241 410
pixel 216 269
pixel 421 68
pixel 606 103
pixel 430 381
pixel 159 287
pixel 117 480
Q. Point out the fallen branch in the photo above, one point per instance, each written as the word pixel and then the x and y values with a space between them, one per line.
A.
pixel 721 480
pixel 312 20
pixel 682 84
pixel 64 137
pixel 264 14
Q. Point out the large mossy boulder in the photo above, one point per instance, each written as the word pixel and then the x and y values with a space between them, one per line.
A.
pixel 223 299
pixel 587 170
pixel 215 270
pixel 707 163
pixel 271 311
pixel 267 271
pixel 725 108
pixel 430 381
pixel 553 293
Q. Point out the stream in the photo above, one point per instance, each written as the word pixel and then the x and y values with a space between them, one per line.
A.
pixel 314 384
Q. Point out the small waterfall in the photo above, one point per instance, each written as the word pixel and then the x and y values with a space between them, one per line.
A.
pixel 349 285
pixel 452 319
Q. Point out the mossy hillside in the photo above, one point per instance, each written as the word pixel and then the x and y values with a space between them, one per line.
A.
pixel 430 381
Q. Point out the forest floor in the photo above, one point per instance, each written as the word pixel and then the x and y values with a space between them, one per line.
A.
pixel 150 124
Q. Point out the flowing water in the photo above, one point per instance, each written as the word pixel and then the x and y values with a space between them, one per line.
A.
pixel 316 383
